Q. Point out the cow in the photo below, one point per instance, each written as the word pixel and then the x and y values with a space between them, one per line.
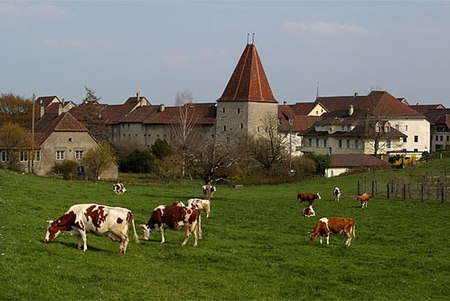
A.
pixel 201 204
pixel 208 191
pixel 174 216
pixel 101 220
pixel 363 199
pixel 308 211
pixel 337 193
pixel 336 225
pixel 308 197
pixel 119 188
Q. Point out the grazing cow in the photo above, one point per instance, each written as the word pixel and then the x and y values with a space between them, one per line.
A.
pixel 208 191
pixel 363 199
pixel 98 219
pixel 308 211
pixel 336 225
pixel 119 188
pixel 337 193
pixel 174 216
pixel 308 197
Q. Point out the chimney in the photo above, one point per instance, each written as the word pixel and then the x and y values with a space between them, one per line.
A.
pixel 42 111
pixel 355 94
pixel 138 96
pixel 161 108
pixel 350 110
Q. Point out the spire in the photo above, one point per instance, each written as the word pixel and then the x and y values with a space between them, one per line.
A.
pixel 248 81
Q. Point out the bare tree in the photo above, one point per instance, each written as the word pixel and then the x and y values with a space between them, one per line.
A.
pixel 270 149
pixel 183 126
pixel 15 109
pixel 15 140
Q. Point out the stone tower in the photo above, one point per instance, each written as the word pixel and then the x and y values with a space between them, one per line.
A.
pixel 247 101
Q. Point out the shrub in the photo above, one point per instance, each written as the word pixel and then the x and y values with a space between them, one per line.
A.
pixel 66 168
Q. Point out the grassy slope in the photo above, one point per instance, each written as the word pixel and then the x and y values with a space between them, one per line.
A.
pixel 255 245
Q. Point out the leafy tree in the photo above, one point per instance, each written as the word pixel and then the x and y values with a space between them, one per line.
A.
pixel 138 162
pixel 67 168
pixel 14 139
pixel 322 162
pixel 161 149
pixel 98 159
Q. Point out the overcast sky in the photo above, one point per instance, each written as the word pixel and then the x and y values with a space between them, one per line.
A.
pixel 163 47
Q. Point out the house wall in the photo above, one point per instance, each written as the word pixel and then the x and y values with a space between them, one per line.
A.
pixel 413 128
pixel 69 143
pixel 440 138
pixel 335 171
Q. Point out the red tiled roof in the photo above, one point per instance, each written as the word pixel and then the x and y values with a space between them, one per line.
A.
pixel 198 113
pixel 379 103
pixel 50 123
pixel 303 108
pixel 356 160
pixel 300 122
pixel 248 81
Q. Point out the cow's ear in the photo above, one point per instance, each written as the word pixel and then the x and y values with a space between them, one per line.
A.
pixel 49 221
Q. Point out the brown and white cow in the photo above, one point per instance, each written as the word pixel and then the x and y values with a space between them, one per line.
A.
pixel 208 191
pixel 337 193
pixel 101 220
pixel 201 204
pixel 308 211
pixel 174 216
pixel 363 199
pixel 119 188
pixel 308 197
pixel 336 225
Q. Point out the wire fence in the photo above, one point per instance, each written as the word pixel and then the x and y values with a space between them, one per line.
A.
pixel 435 189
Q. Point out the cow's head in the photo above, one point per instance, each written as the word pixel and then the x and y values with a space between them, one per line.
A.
pixel 53 229
pixel 313 236
pixel 318 196
pixel 146 229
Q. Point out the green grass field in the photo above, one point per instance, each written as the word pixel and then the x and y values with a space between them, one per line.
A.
pixel 254 246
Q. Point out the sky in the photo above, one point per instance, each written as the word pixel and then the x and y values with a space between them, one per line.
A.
pixel 164 47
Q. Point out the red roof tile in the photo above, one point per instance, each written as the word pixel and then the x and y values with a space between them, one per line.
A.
pixel 248 81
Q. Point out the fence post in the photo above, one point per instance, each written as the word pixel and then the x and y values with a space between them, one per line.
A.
pixel 358 188
pixel 422 193
pixel 387 190
pixel 373 187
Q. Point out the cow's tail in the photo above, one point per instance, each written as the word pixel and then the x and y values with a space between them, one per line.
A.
pixel 354 229
pixel 136 237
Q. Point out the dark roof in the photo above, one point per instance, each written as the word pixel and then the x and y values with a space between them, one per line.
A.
pixel 356 160
pixel 198 113
pixel 435 114
pixel 50 123
pixel 303 108
pixel 248 81
pixel 299 122
pixel 379 103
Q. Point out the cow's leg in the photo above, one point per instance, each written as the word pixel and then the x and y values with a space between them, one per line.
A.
pixel 188 234
pixel 320 239
pixel 328 239
pixel 83 240
pixel 123 245
pixel 161 230
pixel 199 226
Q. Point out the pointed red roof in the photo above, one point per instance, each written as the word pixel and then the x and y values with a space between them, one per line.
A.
pixel 248 81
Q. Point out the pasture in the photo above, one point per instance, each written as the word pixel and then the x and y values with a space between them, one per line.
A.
pixel 254 246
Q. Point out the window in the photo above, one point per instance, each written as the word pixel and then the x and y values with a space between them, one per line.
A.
pixel 239 111
pixel 442 138
pixel 310 142
pixel 317 142
pixel 223 110
pixel 416 138
pixel 348 143
pixel 70 139
pixel 224 128
pixel 397 127
pixel 436 138
pixel 23 156
pixel 78 154
pixel 340 143
pixel 37 155
pixel 406 128
pixel 388 144
pixel 325 142
pixel 4 156
pixel 242 125
pixel 356 144
pixel 60 155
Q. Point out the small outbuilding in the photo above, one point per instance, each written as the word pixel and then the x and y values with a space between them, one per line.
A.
pixel 342 163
